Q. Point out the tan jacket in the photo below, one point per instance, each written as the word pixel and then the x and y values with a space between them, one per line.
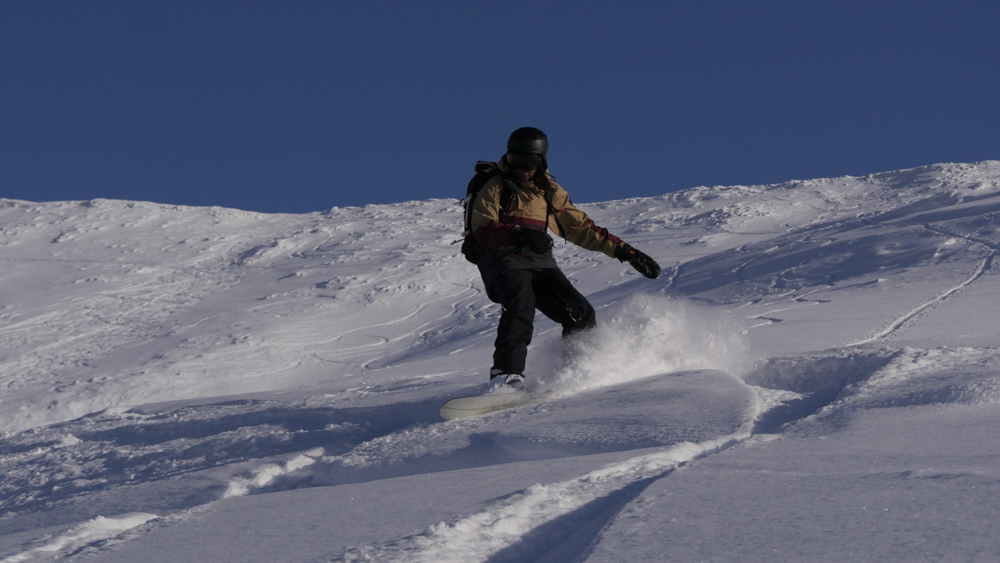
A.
pixel 492 225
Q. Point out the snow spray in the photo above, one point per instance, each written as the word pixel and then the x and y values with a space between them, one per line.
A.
pixel 651 335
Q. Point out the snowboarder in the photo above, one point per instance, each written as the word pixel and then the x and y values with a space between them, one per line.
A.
pixel 510 218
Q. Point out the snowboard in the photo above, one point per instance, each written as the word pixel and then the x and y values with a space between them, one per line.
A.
pixel 476 405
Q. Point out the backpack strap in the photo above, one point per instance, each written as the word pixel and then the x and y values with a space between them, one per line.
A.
pixel 486 171
pixel 551 210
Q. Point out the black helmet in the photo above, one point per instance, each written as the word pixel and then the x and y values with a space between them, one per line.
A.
pixel 528 140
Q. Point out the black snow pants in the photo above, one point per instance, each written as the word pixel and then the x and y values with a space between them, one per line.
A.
pixel 523 291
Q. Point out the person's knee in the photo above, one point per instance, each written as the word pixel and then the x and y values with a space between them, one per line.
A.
pixel 519 298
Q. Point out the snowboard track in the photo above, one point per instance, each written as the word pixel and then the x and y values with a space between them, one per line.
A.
pixel 908 318
pixel 568 535
pixel 556 522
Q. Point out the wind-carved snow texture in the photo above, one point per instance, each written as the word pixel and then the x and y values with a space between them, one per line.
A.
pixel 168 375
pixel 89 533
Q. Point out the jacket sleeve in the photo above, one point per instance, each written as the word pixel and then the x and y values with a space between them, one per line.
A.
pixel 580 229
pixel 486 224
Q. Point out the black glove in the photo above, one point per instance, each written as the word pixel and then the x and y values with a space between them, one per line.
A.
pixel 641 262
pixel 538 241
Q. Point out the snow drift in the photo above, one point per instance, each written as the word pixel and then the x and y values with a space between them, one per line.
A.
pixel 815 377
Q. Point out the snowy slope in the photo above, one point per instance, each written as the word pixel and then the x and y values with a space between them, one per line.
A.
pixel 815 377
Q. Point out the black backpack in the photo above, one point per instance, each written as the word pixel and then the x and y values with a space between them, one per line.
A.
pixel 485 171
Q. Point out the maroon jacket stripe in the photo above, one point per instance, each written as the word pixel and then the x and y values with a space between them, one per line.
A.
pixel 604 233
pixel 494 235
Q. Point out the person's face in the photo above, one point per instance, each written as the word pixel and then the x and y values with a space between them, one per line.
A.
pixel 524 166
pixel 525 175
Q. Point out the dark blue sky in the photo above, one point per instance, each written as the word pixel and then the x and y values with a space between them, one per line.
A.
pixel 302 106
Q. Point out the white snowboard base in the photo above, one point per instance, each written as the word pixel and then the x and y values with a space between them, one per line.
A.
pixel 463 407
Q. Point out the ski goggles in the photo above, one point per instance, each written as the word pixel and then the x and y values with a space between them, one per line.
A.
pixel 524 161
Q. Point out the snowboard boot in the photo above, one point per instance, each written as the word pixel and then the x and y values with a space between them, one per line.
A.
pixel 502 382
